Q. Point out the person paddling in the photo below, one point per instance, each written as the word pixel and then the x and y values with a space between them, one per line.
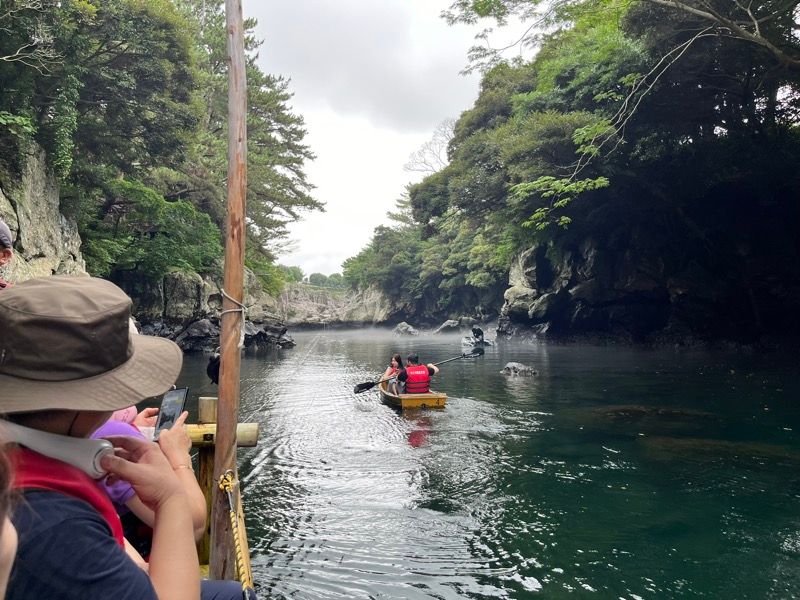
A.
pixel 417 377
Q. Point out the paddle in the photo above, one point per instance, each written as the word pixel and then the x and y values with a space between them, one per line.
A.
pixel 368 385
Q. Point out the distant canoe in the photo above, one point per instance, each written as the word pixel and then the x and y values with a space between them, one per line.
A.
pixel 411 401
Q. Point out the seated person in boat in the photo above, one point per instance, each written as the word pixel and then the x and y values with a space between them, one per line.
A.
pixel 416 378
pixel 137 518
pixel 70 537
pixel 390 374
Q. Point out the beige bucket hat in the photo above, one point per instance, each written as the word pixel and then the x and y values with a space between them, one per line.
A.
pixel 65 344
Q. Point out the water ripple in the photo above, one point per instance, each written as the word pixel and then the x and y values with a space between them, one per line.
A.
pixel 591 478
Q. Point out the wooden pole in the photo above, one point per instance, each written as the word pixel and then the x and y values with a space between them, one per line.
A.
pixel 221 561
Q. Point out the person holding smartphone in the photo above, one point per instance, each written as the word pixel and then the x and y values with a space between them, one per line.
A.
pixel 71 544
pixel 137 518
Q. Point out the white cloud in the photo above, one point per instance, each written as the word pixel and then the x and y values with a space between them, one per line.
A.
pixel 372 78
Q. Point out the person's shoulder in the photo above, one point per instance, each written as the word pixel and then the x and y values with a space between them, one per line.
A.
pixel 40 511
pixel 66 549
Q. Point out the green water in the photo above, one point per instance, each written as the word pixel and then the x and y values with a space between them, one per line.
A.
pixel 613 473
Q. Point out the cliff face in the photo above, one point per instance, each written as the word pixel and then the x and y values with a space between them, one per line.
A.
pixel 182 306
pixel 45 242
pixel 186 307
pixel 304 305
pixel 630 291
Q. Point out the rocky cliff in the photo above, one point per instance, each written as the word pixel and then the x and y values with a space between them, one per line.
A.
pixel 628 291
pixel 45 241
pixel 186 307
pixel 301 305
pixel 183 306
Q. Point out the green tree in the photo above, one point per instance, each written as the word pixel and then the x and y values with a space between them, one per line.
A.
pixel 278 191
pixel 636 125
pixel 143 232
pixel 292 274
pixel 318 279
pixel 135 90
pixel 335 280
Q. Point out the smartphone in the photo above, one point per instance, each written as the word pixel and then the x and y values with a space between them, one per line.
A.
pixel 171 408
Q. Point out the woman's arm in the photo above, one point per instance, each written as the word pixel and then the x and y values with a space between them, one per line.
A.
pixel 174 569
pixel 134 555
pixel 175 444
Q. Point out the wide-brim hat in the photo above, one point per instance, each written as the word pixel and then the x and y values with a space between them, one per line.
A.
pixel 65 343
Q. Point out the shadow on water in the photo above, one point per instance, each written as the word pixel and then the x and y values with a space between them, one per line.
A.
pixel 614 471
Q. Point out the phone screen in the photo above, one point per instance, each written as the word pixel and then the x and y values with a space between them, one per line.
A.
pixel 171 408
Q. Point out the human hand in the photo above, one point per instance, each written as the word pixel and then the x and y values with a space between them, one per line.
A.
pixel 146 418
pixel 175 443
pixel 144 466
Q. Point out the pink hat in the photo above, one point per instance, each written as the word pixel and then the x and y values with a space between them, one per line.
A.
pixel 126 415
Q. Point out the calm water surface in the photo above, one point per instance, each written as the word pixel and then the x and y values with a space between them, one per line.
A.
pixel 613 473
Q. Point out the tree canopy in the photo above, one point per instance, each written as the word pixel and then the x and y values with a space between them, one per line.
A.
pixel 667 121
pixel 128 99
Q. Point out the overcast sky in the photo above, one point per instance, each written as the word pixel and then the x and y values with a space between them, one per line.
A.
pixel 372 79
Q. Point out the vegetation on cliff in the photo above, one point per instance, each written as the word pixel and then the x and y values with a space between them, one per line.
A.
pixel 652 128
pixel 128 99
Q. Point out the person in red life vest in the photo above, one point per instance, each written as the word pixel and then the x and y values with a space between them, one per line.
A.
pixel 6 251
pixel 416 377
pixel 67 361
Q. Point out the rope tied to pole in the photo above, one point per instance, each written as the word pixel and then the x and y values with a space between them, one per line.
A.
pixel 242 310
pixel 227 484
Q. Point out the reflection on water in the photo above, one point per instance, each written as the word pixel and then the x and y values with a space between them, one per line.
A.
pixel 619 472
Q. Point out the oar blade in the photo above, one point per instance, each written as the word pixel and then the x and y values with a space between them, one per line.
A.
pixel 363 387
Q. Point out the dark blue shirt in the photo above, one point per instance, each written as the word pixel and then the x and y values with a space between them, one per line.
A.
pixel 67 550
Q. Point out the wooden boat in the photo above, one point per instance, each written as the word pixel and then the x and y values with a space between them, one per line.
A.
pixel 411 401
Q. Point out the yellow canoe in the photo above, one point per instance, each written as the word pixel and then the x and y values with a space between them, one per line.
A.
pixel 410 401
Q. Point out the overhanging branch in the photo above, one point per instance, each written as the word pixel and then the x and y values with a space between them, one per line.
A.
pixel 735 29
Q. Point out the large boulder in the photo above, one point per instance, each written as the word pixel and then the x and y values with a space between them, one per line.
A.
pixel 549 307
pixel 184 297
pixel 518 300
pixel 404 329
pixel 202 335
pixel 267 335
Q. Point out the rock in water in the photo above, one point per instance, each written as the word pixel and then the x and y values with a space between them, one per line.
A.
pixel 404 329
pixel 515 368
